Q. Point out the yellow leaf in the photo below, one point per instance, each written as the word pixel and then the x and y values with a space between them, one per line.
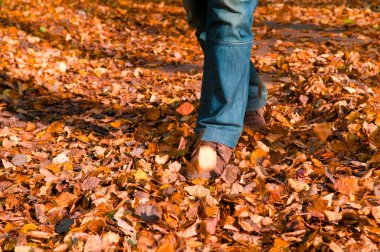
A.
pixel 280 246
pixel 67 166
pixel 377 120
pixel 8 227
pixel 82 72
pixel 40 134
pixel 100 71
pixel 116 124
pixel 258 156
pixel 141 175
pixel 28 227
pixel 55 127
pixel 54 167
pixel 83 138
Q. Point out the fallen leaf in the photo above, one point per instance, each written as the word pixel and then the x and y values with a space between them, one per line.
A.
pixel 231 174
pixel 298 186
pixel 153 114
pixel 347 185
pixel 323 131
pixel 190 231
pixel 197 191
pixel 258 156
pixel 93 244
pixel 56 127
pixel 90 183
pixel 280 246
pixel 161 159
pixel 60 159
pixel 333 216
pixel 376 213
pixel 65 199
pixel 185 109
pixel 148 213
pixel 19 160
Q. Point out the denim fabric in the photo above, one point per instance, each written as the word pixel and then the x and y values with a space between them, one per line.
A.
pixel 230 81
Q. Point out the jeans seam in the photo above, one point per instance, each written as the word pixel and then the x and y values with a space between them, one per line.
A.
pixel 225 43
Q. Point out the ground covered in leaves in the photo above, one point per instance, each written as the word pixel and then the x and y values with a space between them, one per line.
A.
pixel 98 106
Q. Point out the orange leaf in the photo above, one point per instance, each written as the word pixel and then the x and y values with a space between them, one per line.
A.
pixel 323 131
pixel 347 185
pixel 55 127
pixel 185 109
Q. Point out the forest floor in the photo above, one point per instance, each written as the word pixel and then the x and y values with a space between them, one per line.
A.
pixel 98 107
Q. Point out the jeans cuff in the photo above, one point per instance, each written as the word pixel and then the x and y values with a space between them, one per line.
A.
pixel 218 136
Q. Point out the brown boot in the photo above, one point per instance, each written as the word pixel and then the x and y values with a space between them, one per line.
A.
pixel 255 120
pixel 209 159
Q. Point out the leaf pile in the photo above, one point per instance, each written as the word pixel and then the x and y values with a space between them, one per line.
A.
pixel 98 107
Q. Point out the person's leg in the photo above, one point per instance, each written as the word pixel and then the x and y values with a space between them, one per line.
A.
pixel 226 73
pixel 257 97
pixel 196 17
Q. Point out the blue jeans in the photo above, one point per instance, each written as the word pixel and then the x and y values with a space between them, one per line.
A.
pixel 230 81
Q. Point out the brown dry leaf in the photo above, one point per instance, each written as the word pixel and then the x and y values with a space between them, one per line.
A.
pixel 282 119
pixel 99 151
pixel 246 238
pixel 148 212
pixel 153 114
pixel 110 240
pixel 231 174
pixel 190 231
pixel 299 159
pixel 317 208
pixel 197 191
pixel 298 186
pixel 333 216
pixel 93 244
pixel 335 247
pixel 376 213
pixel 30 126
pixel 7 144
pixel 322 130
pixel 347 185
pixel 90 183
pixel 40 213
pixel 65 199
pixel 185 109
pixel 168 244
pixel 248 225
pixel 229 224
